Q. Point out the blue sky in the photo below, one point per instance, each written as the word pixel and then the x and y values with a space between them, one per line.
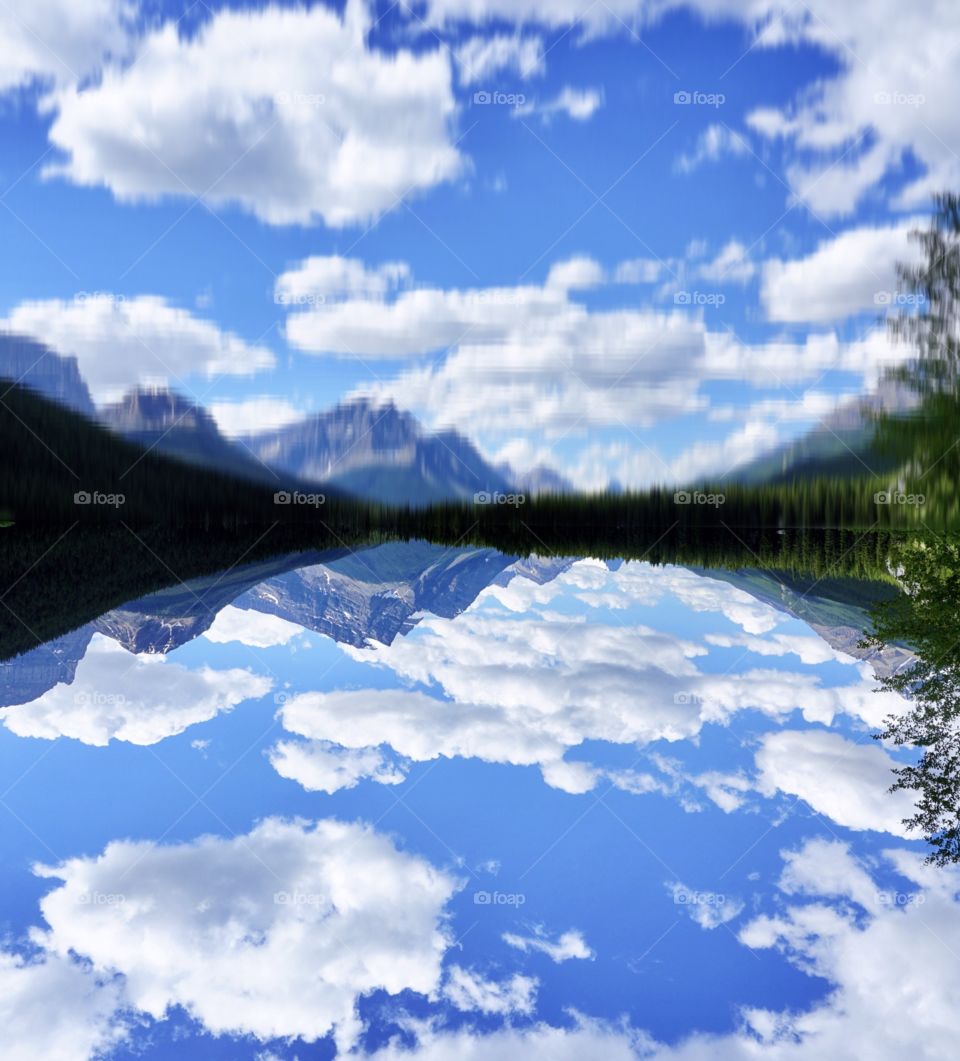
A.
pixel 500 836
pixel 207 197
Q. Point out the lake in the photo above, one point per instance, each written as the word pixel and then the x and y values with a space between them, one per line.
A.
pixel 501 806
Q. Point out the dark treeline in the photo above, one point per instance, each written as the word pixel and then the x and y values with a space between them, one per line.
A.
pixel 52 455
pixel 53 580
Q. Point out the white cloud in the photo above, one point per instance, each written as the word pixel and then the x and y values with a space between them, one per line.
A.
pixel 538 356
pixel 713 143
pixel 570 944
pixel 274 934
pixel 141 700
pixel 323 277
pixel 122 342
pixel 320 766
pixel 467 990
pixel 639 271
pixel 882 950
pixel 731 265
pixel 811 650
pixel 587 1039
pixel 60 41
pixel 850 273
pixel 254 414
pixel 286 112
pixel 580 104
pixel 896 100
pixel 708 909
pixel 524 689
pixel 576 274
pixel 252 628
pixel 54 1008
pixel 847 782
pixel 481 57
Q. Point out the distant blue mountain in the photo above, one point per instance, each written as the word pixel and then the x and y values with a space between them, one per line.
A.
pixel 160 419
pixel 842 444
pixel 377 452
pixel 33 365
pixel 383 454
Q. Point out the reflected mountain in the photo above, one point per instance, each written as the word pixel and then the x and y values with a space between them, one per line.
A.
pixel 354 597
pixel 839 611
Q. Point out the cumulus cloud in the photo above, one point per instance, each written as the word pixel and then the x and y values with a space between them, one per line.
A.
pixel 713 143
pixel 882 950
pixel 323 277
pixel 59 41
pixel 468 990
pixel 320 766
pixel 576 274
pixel 732 265
pixel 851 273
pixel 140 701
pixel 849 131
pixel 517 687
pixel 286 112
pixel 274 934
pixel 580 104
pixel 53 1007
pixel 709 910
pixel 856 128
pixel 252 628
pixel 481 57
pixel 121 342
pixel 254 414
pixel 568 945
pixel 537 355
pixel 588 1038
pixel 846 781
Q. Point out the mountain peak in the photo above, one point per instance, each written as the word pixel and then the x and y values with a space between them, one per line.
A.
pixel 51 375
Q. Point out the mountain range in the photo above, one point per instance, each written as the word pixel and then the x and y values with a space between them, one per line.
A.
pixel 378 452
pixel 355 597
pixel 373 451
pixel 841 444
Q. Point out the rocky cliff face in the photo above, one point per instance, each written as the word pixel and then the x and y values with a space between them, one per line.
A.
pixel 36 366
pixel 160 419
pixel 378 452
pixel 31 675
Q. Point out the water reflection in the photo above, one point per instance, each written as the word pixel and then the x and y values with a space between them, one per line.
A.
pixel 443 803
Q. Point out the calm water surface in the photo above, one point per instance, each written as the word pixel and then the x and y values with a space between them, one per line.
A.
pixel 475 806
